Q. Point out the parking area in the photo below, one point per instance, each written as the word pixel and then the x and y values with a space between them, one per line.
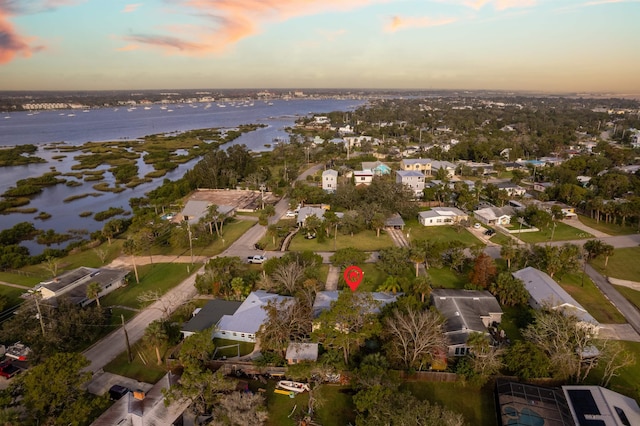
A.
pixel 239 198
pixel 102 382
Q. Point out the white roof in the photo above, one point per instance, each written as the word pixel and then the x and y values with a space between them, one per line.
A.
pixel 442 212
pixel 609 406
pixel 492 213
pixel 250 315
pixel 543 289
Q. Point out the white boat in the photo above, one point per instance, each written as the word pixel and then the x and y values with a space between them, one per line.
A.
pixel 293 386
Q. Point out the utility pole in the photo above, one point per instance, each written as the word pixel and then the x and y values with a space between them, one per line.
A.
pixel 126 338
pixel 36 296
pixel 190 241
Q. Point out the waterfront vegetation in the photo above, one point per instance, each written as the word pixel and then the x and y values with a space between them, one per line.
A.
pixel 80 196
pixel 19 155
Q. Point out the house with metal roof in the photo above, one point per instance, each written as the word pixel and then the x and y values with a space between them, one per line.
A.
pixel 245 322
pixel 195 210
pixel 413 179
pixel 544 291
pixel 439 216
pixel 298 352
pixel 73 284
pixel 495 215
pixel 209 315
pixel 465 312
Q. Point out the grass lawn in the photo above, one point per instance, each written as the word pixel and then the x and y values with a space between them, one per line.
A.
pixel 365 240
pixel 373 278
pixel 608 228
pixel 28 280
pixel 630 294
pixel 12 294
pixel 439 233
pixel 623 264
pixel 591 298
pixel 475 404
pixel 446 278
pixel 510 322
pixel 628 381
pixel 160 276
pixel 147 371
pixel 245 348
pixel 336 407
pixel 500 238
pixel 563 232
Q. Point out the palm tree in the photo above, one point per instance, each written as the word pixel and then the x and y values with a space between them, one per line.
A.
pixel 508 252
pixel 391 284
pixel 156 335
pixel 93 292
pixel 130 247
pixel 417 255
pixel 422 286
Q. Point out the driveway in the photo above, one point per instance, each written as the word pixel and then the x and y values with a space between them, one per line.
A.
pixel 581 226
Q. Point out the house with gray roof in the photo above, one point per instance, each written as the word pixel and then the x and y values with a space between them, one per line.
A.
pixel 195 210
pixel 420 164
pixel 448 167
pixel 413 179
pixel 73 284
pixel 544 291
pixel 465 312
pixel 495 215
pixel 209 315
pixel 245 322
pixel 439 216
pixel 298 352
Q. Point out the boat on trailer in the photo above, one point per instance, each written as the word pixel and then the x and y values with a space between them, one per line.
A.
pixel 293 386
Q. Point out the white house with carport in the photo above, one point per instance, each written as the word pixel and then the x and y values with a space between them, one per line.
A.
pixel 247 319
pixel 495 215
pixel 544 291
pixel 465 312
pixel 439 216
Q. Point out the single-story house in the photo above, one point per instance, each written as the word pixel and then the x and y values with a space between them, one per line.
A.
pixel 494 215
pixel 542 186
pixel 73 284
pixel 195 210
pixel 301 352
pixel 568 211
pixel 595 405
pixel 318 212
pixel 438 216
pixel 465 312
pixel 544 291
pixel 247 319
pixel 514 190
pixel 209 315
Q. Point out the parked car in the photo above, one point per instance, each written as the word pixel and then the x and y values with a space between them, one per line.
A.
pixel 477 225
pixel 489 232
pixel 258 258
pixel 8 369
pixel 290 213
pixel 116 392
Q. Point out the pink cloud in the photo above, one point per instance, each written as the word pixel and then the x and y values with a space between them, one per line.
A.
pixel 131 7
pixel 497 4
pixel 401 23
pixel 12 44
pixel 233 20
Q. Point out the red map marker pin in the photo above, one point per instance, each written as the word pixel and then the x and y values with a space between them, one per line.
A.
pixel 353 276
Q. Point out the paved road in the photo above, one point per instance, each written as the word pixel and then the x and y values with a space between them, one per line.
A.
pixel 625 307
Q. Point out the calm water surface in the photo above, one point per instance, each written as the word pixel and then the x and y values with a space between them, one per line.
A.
pixel 76 127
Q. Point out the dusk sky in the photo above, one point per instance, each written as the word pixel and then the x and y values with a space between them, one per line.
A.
pixel 538 45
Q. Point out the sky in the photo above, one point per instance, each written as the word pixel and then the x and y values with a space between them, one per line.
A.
pixel 590 46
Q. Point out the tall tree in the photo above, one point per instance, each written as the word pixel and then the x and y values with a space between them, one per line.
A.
pixel 131 248
pixel 509 291
pixel 415 337
pixel 349 322
pixel 417 255
pixel 156 335
pixel 484 269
